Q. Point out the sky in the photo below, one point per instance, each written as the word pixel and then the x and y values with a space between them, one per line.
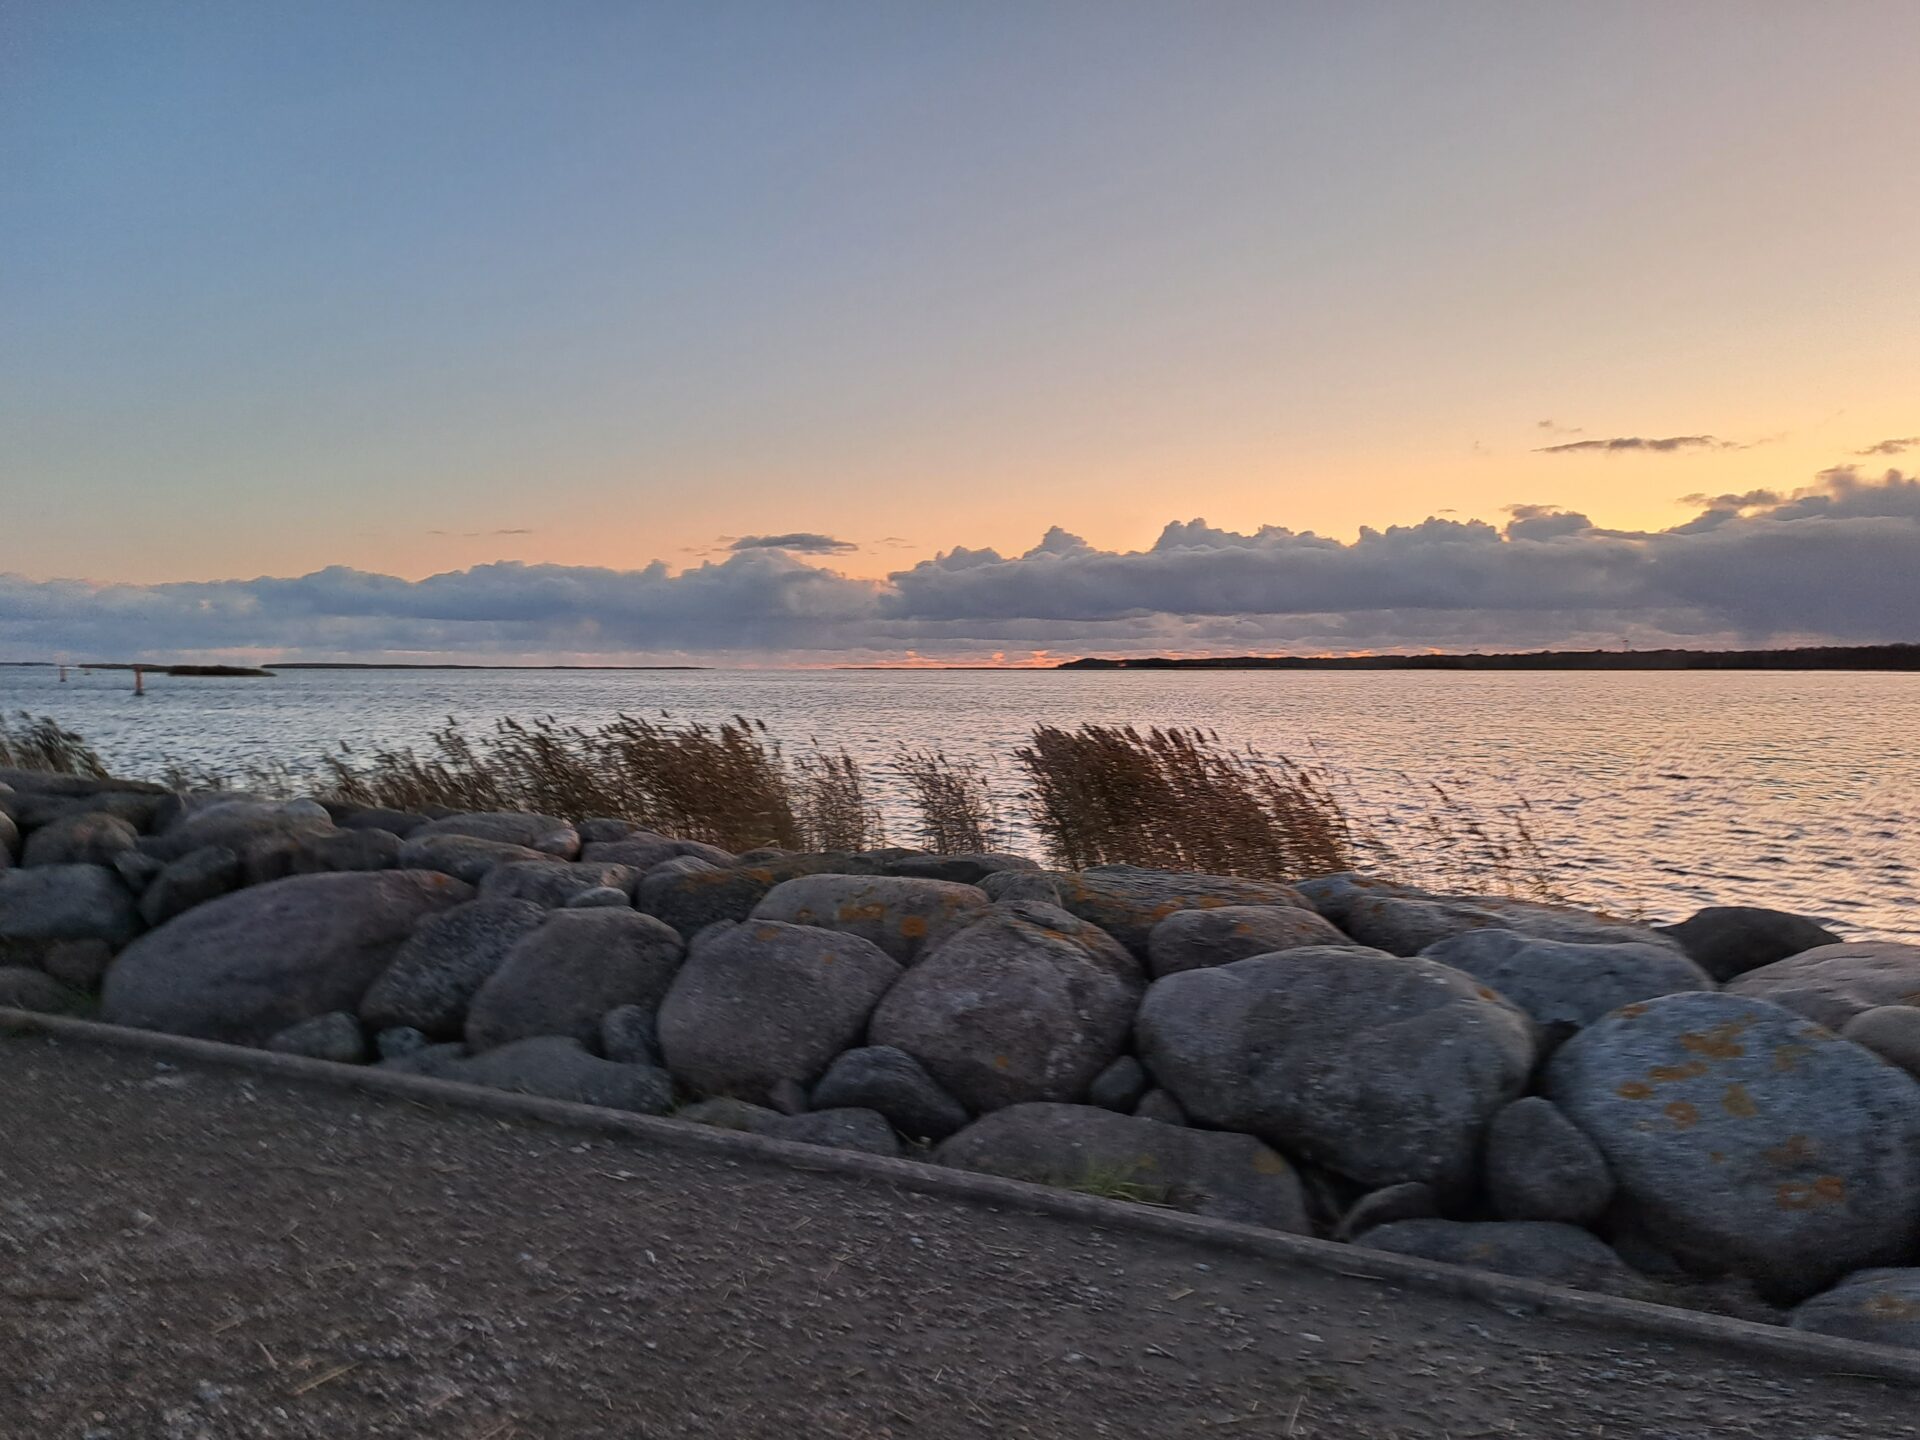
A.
pixel 808 333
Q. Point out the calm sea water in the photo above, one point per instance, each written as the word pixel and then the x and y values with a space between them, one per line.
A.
pixel 1656 792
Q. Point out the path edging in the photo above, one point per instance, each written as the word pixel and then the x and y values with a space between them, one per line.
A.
pixel 1639 1319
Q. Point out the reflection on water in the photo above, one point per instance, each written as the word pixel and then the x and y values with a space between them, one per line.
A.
pixel 1652 791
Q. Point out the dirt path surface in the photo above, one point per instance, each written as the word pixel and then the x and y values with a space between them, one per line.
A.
pixel 187 1252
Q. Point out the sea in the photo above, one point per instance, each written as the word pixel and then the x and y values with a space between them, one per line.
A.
pixel 1649 794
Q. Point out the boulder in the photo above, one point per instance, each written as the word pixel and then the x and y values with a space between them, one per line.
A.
pixel 1748 1139
pixel 1157 1104
pixel 78 964
pixel 335 1036
pixel 1120 1086
pixel 137 869
pixel 195 878
pixel 759 1002
pixel 1539 1166
pixel 1833 983
pixel 1408 924
pixel 1127 901
pixel 1563 984
pixel 599 829
pixel 1026 1004
pixel 88 838
pixel 598 896
pixel 1891 1031
pixel 1879 1306
pixel 903 917
pixel 959 869
pixel 46 904
pixel 630 1035
pixel 246 966
pixel 435 1060
pixel 690 894
pixel 559 1068
pixel 1195 939
pixel 318 852
pixel 434 976
pixel 544 833
pixel 237 825
pixel 9 839
pixel 861 1130
pixel 1082 1147
pixel 25 989
pixel 395 822
pixel 462 856
pixel 398 1040
pixel 645 850
pixel 1530 1249
pixel 553 883
pixel 1409 1200
pixel 1729 940
pixel 33 810
pixel 894 1084
pixel 567 974
pixel 1040 886
pixel 1379 1068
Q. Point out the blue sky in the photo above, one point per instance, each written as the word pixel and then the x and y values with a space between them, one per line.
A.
pixel 409 289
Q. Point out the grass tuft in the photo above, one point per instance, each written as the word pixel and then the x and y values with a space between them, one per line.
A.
pixel 37 742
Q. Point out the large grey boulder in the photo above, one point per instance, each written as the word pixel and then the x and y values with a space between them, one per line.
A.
pixel 1121 1086
pixel 89 838
pixel 335 1036
pixel 318 852
pixel 1379 1068
pixel 894 1084
pixel 1560 983
pixel 690 894
pixel 545 833
pixel 904 917
pixel 1195 939
pixel 1127 901
pixel 22 988
pixel 567 974
pixel 631 1035
pixel 1540 1166
pixel 1891 1031
pixel 1026 1004
pixel 1531 1249
pixel 1040 886
pixel 248 965
pixel 1729 940
pixel 1748 1139
pixel 1409 1200
pixel 373 817
pixel 195 878
pixel 961 869
pixel 559 1068
pixel 1408 924
pixel 1879 1306
pixel 237 825
pixel 465 857
pixel 44 905
pixel 1832 984
pixel 760 1002
pixel 553 883
pixel 434 976
pixel 644 850
pixel 1206 1172
pixel 9 836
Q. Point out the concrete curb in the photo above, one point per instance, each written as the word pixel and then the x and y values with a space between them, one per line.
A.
pixel 1632 1319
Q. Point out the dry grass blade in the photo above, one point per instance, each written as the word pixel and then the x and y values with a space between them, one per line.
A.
pixel 1180 799
pixel 37 742
pixel 952 801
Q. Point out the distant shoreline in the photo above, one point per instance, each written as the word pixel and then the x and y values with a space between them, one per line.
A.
pixel 1812 657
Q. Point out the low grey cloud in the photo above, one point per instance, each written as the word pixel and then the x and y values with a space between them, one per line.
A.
pixel 475 534
pixel 1837 561
pixel 802 542
pixel 1619 444
pixel 1899 446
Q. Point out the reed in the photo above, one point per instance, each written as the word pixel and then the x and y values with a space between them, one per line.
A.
pixel 1180 799
pixel 952 801
pixel 37 742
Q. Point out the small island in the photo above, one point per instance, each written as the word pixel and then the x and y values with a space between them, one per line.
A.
pixel 1809 657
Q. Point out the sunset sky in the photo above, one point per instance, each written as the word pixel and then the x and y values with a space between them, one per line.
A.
pixel 785 300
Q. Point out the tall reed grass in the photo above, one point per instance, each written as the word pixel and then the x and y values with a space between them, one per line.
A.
pixel 1178 799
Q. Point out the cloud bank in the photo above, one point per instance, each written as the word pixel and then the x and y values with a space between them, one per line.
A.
pixel 801 541
pixel 1837 561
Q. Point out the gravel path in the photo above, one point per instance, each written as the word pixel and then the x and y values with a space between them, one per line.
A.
pixel 186 1253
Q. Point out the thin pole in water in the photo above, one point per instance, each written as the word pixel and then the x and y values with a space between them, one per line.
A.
pixel 139 680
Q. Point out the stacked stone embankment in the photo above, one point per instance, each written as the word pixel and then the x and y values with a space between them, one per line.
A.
pixel 1721 1112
